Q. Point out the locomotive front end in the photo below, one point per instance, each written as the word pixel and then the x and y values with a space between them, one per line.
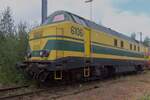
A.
pixel 44 59
pixel 43 52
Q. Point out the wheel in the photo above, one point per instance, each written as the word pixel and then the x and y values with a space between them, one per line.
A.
pixel 98 72
pixel 42 76
pixel 105 72
pixel 139 69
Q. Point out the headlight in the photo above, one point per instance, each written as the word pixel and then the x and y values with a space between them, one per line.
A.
pixel 29 54
pixel 41 53
pixel 44 53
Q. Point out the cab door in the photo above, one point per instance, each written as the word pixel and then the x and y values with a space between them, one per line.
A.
pixel 87 43
pixel 59 53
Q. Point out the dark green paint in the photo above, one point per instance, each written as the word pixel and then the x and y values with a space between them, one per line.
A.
pixel 36 53
pixel 64 45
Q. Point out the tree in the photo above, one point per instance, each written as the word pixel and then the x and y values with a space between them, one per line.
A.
pixel 7 26
pixel 147 41
pixel 22 30
pixel 22 38
pixel 1 33
pixel 12 48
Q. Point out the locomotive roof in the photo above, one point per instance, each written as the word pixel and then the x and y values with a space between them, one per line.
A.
pixel 96 26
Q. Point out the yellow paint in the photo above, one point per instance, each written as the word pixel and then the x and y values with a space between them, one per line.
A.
pixel 56 77
pixel 35 58
pixel 87 43
pixel 49 31
pixel 52 55
pixel 87 72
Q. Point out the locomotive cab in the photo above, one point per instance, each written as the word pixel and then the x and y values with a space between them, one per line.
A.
pixel 45 39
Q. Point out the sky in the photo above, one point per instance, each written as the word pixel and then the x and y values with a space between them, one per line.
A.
pixel 124 16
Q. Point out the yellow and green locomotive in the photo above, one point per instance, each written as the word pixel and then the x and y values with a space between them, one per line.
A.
pixel 69 47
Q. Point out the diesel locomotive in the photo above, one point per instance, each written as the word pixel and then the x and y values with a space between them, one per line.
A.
pixel 69 47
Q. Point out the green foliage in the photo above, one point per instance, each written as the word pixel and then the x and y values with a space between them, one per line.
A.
pixel 7 27
pixel 9 56
pixel 13 47
pixel 146 97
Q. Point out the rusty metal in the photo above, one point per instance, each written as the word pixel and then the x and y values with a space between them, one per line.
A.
pixel 22 94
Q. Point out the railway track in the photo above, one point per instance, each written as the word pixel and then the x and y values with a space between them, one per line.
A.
pixel 72 93
pixel 13 88
pixel 54 93
pixel 9 97
pixel 5 92
pixel 20 91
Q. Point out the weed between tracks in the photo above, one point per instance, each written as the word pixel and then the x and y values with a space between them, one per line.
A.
pixel 146 97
